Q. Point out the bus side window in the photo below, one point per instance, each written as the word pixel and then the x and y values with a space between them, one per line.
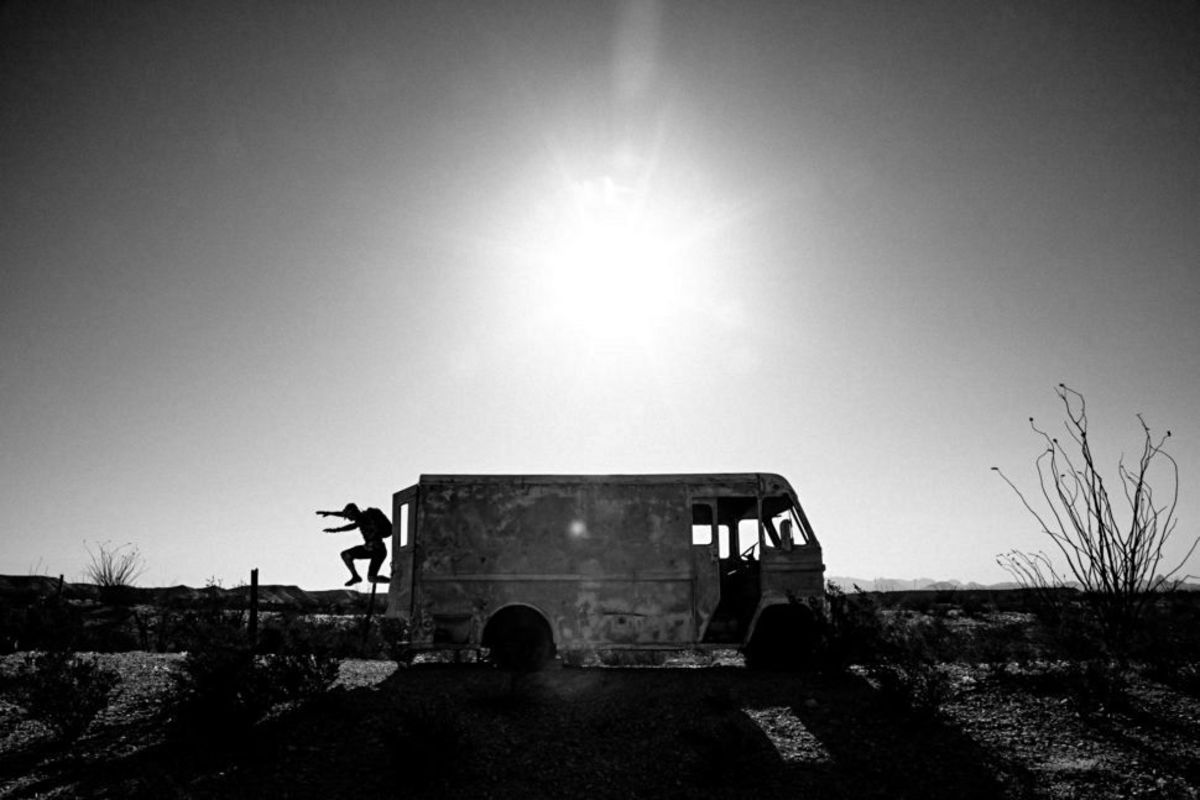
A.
pixel 702 524
pixel 748 538
pixel 782 525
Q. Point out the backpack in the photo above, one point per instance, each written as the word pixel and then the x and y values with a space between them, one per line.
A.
pixel 380 525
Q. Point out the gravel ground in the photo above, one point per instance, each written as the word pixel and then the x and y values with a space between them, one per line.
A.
pixel 721 731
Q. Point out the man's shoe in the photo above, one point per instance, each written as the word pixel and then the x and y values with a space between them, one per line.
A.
pixel 354 580
pixel 380 579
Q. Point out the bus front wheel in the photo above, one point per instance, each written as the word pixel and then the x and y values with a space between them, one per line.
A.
pixel 784 638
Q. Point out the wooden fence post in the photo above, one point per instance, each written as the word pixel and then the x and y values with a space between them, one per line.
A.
pixel 370 610
pixel 253 629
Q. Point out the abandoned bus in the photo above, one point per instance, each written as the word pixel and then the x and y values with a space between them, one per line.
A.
pixel 524 566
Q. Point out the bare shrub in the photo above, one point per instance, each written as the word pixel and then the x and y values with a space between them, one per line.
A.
pixel 114 570
pixel 1118 565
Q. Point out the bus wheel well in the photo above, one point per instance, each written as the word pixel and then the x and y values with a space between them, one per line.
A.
pixel 785 637
pixel 519 638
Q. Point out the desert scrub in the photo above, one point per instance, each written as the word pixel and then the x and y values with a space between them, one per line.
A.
pixel 907 667
pixel 331 636
pixel 296 676
pixel 223 688
pixel 48 623
pixel 1099 685
pixel 216 691
pixel 999 642
pixel 857 630
pixel 916 687
pixel 62 690
pixel 851 630
pixel 1183 675
pixel 1089 686
pixel 899 650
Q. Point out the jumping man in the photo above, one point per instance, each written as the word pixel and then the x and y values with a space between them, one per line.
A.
pixel 375 527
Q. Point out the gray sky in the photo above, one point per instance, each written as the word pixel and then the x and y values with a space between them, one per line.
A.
pixel 260 259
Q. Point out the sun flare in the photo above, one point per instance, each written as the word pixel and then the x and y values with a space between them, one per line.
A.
pixel 611 261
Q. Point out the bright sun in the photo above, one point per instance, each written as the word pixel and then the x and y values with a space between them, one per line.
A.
pixel 611 264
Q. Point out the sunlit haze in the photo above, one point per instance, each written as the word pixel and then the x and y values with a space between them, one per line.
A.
pixel 264 259
pixel 612 267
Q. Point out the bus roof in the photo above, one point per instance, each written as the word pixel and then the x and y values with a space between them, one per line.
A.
pixel 768 480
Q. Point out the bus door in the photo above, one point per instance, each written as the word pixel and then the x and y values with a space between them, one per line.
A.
pixel 706 575
pixel 404 525
pixel 790 555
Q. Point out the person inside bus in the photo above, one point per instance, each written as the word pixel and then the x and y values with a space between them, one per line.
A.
pixel 785 534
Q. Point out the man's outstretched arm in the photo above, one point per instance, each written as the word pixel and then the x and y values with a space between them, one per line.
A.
pixel 349 527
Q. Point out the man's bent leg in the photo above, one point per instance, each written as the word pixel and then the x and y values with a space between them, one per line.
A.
pixel 373 569
pixel 348 559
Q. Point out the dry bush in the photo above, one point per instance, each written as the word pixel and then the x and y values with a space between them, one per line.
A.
pixel 1117 564
pixel 114 570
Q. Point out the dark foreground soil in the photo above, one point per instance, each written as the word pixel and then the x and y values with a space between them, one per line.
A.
pixel 717 731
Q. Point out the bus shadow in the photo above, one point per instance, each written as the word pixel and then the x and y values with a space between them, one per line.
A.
pixel 445 731
pixel 854 744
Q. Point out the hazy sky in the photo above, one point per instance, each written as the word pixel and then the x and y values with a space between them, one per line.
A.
pixel 264 258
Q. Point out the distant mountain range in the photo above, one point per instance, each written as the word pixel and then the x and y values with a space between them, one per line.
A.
pixel 26 588
pixel 930 585
pixel 912 584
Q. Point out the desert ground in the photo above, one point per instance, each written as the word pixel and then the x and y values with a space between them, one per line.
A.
pixel 698 727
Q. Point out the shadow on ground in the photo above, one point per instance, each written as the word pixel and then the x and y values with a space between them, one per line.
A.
pixel 442 731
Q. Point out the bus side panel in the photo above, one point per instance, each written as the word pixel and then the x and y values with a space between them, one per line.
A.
pixel 607 564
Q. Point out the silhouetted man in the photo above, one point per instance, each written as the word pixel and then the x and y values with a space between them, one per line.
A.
pixel 375 527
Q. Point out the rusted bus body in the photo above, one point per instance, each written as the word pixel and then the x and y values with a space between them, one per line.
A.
pixel 609 562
